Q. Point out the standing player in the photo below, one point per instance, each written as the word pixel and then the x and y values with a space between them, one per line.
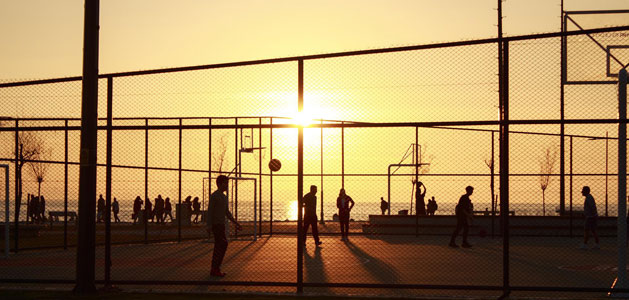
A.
pixel 344 203
pixel 217 211
pixel 310 215
pixel 464 213
pixel 591 216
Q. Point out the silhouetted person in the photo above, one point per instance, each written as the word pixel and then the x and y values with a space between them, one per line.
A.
pixel 431 207
pixel 343 204
pixel 187 201
pixel 217 211
pixel 35 209
pixel 115 208
pixel 591 216
pixel 100 209
pixel 310 214
pixel 464 213
pixel 137 207
pixel 420 204
pixel 384 205
pixel 148 210
pixel 196 208
pixel 159 209
pixel 42 208
pixel 168 209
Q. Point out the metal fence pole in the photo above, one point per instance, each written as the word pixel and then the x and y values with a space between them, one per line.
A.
pixel 6 210
pixel 65 190
pixel 146 180
pixel 86 246
pixel 271 178
pixel 108 186
pixel 321 159
pixel 179 190
pixel 504 169
pixel 300 181
pixel 571 186
pixel 16 235
pixel 260 173
pixel 622 180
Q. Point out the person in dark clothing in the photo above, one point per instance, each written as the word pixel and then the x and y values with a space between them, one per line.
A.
pixel 420 204
pixel 148 210
pixel 159 209
pixel 431 207
pixel 217 211
pixel 591 216
pixel 100 209
pixel 310 214
pixel 384 205
pixel 343 204
pixel 196 208
pixel 42 208
pixel 464 213
pixel 168 209
pixel 137 207
pixel 115 208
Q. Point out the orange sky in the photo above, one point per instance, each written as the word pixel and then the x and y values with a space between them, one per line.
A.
pixel 43 39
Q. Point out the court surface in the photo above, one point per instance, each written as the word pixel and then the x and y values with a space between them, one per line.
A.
pixel 364 259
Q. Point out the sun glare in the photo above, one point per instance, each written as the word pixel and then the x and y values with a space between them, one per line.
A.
pixel 292 211
pixel 303 119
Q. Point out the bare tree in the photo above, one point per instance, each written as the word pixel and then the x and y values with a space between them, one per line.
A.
pixel 39 168
pixel 219 158
pixel 29 146
pixel 547 165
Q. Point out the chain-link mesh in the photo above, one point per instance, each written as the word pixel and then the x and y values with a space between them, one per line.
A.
pixel 368 135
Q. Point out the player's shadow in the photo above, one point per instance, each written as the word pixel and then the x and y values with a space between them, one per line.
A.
pixel 379 270
pixel 315 268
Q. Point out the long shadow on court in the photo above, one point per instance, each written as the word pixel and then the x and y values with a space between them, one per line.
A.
pixel 379 270
pixel 315 268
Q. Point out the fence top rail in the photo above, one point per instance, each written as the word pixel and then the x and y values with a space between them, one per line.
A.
pixel 589 12
pixel 174 118
pixel 323 56
pixel 452 125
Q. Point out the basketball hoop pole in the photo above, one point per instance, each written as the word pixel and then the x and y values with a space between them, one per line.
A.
pixel 621 280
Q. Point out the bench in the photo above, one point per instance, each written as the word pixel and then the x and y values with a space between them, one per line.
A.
pixel 54 215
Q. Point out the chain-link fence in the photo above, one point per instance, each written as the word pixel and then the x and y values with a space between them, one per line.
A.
pixel 403 132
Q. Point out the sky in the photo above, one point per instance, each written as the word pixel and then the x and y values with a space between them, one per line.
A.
pixel 43 39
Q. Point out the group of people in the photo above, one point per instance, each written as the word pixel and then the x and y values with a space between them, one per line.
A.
pixel 36 208
pixel 218 211
pixel 163 208
pixel 421 208
pixel 101 207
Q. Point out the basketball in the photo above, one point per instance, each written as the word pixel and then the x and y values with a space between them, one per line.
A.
pixel 275 165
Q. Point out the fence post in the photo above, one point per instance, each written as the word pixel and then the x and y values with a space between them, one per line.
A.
pixel 86 246
pixel 146 178
pixel 6 210
pixel 260 174
pixel 300 181
pixel 571 186
pixel 271 178
pixel 621 281
pixel 504 168
pixel 65 190
pixel 108 186
pixel 179 219
pixel 16 237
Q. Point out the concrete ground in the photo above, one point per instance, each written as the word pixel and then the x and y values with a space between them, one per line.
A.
pixel 426 260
